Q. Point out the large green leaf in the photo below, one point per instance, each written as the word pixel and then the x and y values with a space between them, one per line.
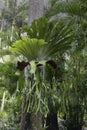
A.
pixel 30 48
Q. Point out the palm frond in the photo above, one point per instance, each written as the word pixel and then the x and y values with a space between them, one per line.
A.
pixel 40 28
pixel 58 35
pixel 73 8
pixel 60 40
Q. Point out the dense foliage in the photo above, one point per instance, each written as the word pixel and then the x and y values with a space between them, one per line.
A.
pixel 43 66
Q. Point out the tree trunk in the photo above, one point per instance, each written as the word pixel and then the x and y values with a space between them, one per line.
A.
pixel 36 10
pixel 23 115
pixel 52 122
pixel 36 121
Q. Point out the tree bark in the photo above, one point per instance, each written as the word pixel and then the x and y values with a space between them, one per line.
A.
pixel 36 10
pixel 52 121
pixel 23 115
pixel 36 121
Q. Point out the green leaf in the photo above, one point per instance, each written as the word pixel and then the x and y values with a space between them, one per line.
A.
pixel 30 48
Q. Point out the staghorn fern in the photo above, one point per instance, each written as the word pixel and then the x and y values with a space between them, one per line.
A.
pixel 30 48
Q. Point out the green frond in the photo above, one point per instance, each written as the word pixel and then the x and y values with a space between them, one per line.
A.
pixel 40 28
pixel 73 8
pixel 30 48
pixel 60 39
pixel 58 34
